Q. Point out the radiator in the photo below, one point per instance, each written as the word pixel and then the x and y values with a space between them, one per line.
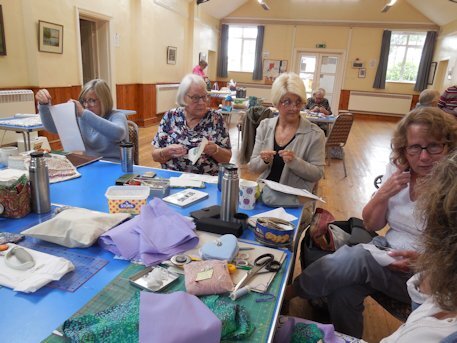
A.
pixel 381 103
pixel 12 102
pixel 166 97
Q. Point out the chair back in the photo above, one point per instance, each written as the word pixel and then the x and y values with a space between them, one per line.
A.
pixel 340 131
pixel 133 138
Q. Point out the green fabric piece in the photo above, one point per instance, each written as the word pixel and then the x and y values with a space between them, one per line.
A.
pixel 308 333
pixel 117 324
pixel 236 324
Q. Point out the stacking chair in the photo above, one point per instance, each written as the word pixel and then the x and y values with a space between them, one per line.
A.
pixel 338 136
pixel 133 138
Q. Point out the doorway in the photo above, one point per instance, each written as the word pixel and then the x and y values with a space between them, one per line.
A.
pixel 89 51
pixel 319 70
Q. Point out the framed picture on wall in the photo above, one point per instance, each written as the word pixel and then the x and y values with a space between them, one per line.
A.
pixel 2 34
pixel 50 37
pixel 272 69
pixel 202 57
pixel 362 73
pixel 431 73
pixel 171 54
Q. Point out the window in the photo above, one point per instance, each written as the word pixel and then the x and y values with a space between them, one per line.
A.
pixel 404 56
pixel 241 48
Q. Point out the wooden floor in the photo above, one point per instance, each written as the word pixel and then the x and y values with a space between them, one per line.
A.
pixel 367 153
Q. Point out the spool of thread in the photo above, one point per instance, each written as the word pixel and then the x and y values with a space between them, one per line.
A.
pixel 239 293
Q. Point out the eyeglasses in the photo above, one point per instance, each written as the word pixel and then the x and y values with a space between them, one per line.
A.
pixel 90 102
pixel 195 98
pixel 432 149
pixel 290 103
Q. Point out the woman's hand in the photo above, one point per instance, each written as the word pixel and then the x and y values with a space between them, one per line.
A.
pixel 398 181
pixel 79 107
pixel 211 148
pixel 43 97
pixel 174 150
pixel 267 155
pixel 315 109
pixel 287 155
pixel 404 260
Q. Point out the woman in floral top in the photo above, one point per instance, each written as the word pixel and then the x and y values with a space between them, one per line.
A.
pixel 184 127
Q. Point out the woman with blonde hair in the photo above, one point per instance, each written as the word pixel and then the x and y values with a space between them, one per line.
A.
pixel 102 128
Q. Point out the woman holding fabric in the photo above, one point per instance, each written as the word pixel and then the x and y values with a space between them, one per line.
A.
pixel 183 128
pixel 288 148
pixel 422 138
pixel 102 128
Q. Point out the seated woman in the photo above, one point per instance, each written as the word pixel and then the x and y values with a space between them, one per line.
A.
pixel 436 318
pixel 102 128
pixel 318 103
pixel 184 127
pixel 288 148
pixel 421 139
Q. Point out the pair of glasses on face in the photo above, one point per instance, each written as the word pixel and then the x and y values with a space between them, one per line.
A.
pixel 432 149
pixel 196 98
pixel 89 102
pixel 289 103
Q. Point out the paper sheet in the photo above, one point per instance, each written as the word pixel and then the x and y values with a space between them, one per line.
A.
pixel 291 190
pixel 64 117
pixel 195 153
pixel 279 212
pixel 199 177
pixel 183 183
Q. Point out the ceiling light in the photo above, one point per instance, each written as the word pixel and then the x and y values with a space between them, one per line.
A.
pixel 263 4
pixel 201 1
pixel 388 5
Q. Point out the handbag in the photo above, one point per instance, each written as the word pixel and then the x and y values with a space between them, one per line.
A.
pixel 274 198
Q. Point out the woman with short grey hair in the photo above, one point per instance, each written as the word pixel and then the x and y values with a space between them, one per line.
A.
pixel 184 128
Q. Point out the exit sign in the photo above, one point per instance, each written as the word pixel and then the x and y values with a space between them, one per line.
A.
pixel 321 46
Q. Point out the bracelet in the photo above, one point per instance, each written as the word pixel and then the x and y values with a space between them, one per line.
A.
pixel 217 150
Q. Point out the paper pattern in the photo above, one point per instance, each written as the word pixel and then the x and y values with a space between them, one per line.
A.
pixel 64 117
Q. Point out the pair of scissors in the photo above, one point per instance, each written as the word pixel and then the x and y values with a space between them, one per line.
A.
pixel 265 261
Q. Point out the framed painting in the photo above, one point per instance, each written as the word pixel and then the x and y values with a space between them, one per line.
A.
pixel 2 35
pixel 272 69
pixel 171 54
pixel 362 73
pixel 50 37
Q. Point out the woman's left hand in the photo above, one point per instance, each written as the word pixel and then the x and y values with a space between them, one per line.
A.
pixel 404 260
pixel 79 107
pixel 287 155
pixel 211 148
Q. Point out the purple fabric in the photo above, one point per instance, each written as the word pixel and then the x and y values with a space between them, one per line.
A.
pixel 177 317
pixel 287 324
pixel 155 235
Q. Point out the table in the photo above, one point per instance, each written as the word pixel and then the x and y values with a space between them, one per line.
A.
pixel 32 317
pixel 25 130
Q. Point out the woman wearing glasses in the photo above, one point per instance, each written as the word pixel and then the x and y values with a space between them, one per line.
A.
pixel 288 148
pixel 421 139
pixel 102 128
pixel 184 128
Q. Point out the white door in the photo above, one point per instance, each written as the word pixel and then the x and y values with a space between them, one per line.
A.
pixel 318 70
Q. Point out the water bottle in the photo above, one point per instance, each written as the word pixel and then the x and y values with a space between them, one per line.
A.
pixel 221 174
pixel 127 157
pixel 230 193
pixel 39 183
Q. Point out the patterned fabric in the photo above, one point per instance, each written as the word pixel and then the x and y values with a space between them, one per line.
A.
pixel 448 100
pixel 115 324
pixel 236 324
pixel 311 102
pixel 306 333
pixel 173 129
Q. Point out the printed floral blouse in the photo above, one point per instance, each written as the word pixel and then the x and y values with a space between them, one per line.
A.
pixel 173 129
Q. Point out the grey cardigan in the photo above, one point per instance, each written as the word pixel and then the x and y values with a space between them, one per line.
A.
pixel 309 146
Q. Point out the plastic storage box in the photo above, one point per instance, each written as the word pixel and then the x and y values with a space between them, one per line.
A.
pixel 126 199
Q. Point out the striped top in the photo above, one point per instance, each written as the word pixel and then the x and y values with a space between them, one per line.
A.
pixel 448 100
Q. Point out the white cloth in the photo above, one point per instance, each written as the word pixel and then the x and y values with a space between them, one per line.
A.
pixel 46 269
pixel 405 224
pixel 421 326
pixel 413 289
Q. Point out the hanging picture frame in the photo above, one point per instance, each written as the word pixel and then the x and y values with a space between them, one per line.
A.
pixel 272 69
pixel 431 73
pixel 50 37
pixel 171 54
pixel 2 35
pixel 362 73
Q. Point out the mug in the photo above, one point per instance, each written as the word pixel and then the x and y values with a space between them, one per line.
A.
pixel 248 190
pixel 6 152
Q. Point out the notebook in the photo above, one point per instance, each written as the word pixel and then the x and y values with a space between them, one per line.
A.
pixel 79 160
pixel 186 197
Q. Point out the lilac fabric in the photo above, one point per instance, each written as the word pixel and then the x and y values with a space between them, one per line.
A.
pixel 155 235
pixel 177 317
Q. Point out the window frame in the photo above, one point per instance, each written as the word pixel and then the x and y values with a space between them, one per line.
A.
pixel 243 39
pixel 407 46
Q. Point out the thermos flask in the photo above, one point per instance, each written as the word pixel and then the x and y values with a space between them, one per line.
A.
pixel 221 174
pixel 39 183
pixel 230 193
pixel 127 157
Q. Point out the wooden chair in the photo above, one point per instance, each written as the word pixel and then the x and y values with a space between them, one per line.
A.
pixel 133 138
pixel 338 136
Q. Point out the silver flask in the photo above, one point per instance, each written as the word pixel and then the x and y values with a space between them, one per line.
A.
pixel 39 183
pixel 230 193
